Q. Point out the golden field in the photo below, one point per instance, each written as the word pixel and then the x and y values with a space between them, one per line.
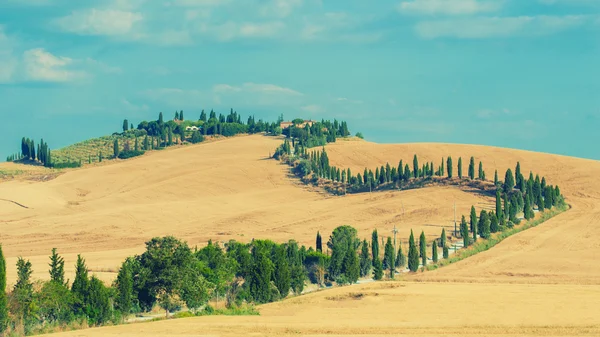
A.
pixel 544 281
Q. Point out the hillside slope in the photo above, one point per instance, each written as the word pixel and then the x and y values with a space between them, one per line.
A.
pixel 223 190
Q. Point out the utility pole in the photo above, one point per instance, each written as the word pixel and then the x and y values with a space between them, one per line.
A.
pixel 455 220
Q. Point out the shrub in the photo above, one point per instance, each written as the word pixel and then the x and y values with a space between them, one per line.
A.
pixel 197 137
pixel 360 135
pixel 130 154
pixel 68 164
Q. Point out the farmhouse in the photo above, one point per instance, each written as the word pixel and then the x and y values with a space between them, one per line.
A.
pixel 285 125
pixel 191 128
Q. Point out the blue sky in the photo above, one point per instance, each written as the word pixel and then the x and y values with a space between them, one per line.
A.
pixel 512 73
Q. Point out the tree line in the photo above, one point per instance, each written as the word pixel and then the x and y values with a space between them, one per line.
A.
pixel 29 151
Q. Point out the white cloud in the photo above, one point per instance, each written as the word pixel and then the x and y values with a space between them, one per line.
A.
pixel 448 7
pixel 267 29
pixel 256 88
pixel 280 8
pixel 313 108
pixel 132 107
pixel 8 62
pixel 99 22
pixel 489 27
pixel 40 65
pixel 199 3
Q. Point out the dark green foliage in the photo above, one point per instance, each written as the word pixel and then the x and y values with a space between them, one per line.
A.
pixel 498 202
pixel 125 125
pixel 319 243
pixel 434 252
pixel 485 224
pixel 80 285
pixel 494 223
pixel 509 181
pixel 413 253
pixel 124 287
pixel 130 154
pixel 423 248
pixel 473 220
pixel 481 172
pixel 116 148
pixel 443 238
pixel 464 231
pixel 460 175
pixel 23 291
pixel 415 169
pixel 548 197
pixel 54 303
pixel 445 252
pixel 496 178
pixel 377 269
pixel 449 167
pixel 281 276
pixel 351 265
pixel 342 241
pixel 400 258
pixel 3 297
pixel 196 137
pixel 388 257
pixel 98 307
pixel 365 259
pixel 375 245
pixel 259 279
pixel 472 168
pixel 57 268
pixel 482 217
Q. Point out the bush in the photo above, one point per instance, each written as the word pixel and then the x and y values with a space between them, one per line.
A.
pixel 68 164
pixel 197 137
pixel 130 154
pixel 303 168
pixel 342 280
pixel 360 135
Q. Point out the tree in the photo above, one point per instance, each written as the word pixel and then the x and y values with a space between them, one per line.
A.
pixel 98 302
pixel 449 167
pixel 475 230
pixel 400 258
pixel 259 278
pixel 116 148
pixel 493 223
pixel 464 231
pixel 124 286
pixel 319 243
pixel 281 276
pixel 377 269
pixel 498 202
pixel 342 240
pixel 528 210
pixel 434 253
pixel 125 125
pixel 57 268
pixel 460 168
pixel 415 166
pixel 443 238
pixel 413 254
pixel 423 248
pixel 509 181
pixel 80 284
pixel 3 297
pixel 351 265
pixel 365 259
pixel 484 224
pixel 23 290
pixel 374 246
pixel 445 252
pixel 481 173
pixel 388 257
pixel 473 222
pixel 160 118
pixel 472 168
pixel 496 178
pixel 518 176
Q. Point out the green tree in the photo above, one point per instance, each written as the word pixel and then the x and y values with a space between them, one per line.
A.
pixel 281 275
pixel 116 148
pixel 319 243
pixel 57 268
pixel 365 259
pixel 509 181
pixel 443 238
pixel 464 231
pixel 528 210
pixel 498 202
pixel 377 269
pixel 485 225
pixel 413 254
pixel 374 246
pixel 496 178
pixel 481 173
pixel 124 287
pixel 342 240
pixel 518 175
pixel 98 307
pixel 259 279
pixel 434 252
pixel 400 258
pixel 460 175
pixel 351 265
pixel 445 252
pixel 449 167
pixel 125 125
pixel 3 297
pixel 388 257
pixel 80 284
pixel 415 167
pixel 137 145
pixel 473 222
pixel 23 291
pixel 472 168
pixel 423 248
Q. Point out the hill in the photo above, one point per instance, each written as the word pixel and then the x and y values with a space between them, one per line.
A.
pixel 229 189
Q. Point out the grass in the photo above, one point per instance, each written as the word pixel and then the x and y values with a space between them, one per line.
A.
pixel 248 310
pixel 483 245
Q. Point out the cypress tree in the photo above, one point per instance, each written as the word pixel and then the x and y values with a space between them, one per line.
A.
pixel 23 290
pixel 57 268
pixel 498 202
pixel 259 279
pixel 496 177
pixel 486 225
pixel 400 170
pixel 365 259
pixel 473 222
pixel 413 254
pixel 475 233
pixel 124 285
pixel 415 166
pixel 388 257
pixel 464 231
pixel 81 283
pixel 460 168
pixel 377 269
pixel 506 206
pixel 400 258
pixel 445 252
pixel 527 211
pixel 548 197
pixel 472 168
pixel 443 238
pixel 442 169
pixel 493 222
pixel 423 248
pixel 481 173
pixel 351 265
pixel 518 176
pixel 319 243
pixel 449 166
pixel 281 276
pixel 434 253
pixel 3 297
pixel 509 181
pixel 406 172
pixel 116 148
pixel 375 245
pixel 482 217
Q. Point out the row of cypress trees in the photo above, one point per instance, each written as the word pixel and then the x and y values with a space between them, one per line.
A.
pixel 29 151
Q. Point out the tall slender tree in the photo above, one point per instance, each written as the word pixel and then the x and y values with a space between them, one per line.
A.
pixel 449 166
pixel 125 125
pixel 400 258
pixel 281 274
pixel 319 243
pixel 365 259
pixel 473 222
pixel 116 148
pixel 3 297
pixel 481 173
pixel 57 268
pixel 472 168
pixel 498 203
pixel 124 286
pixel 389 256
pixel 460 175
pixel 434 252
pixel 464 231
pixel 413 254
pixel 423 248
pixel 509 181
pixel 496 178
pixel 415 166
pixel 375 245
pixel 443 238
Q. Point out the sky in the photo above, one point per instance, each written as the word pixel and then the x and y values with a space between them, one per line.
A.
pixel 512 73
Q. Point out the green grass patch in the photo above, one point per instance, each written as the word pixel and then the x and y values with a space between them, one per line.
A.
pixel 483 245
pixel 247 310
